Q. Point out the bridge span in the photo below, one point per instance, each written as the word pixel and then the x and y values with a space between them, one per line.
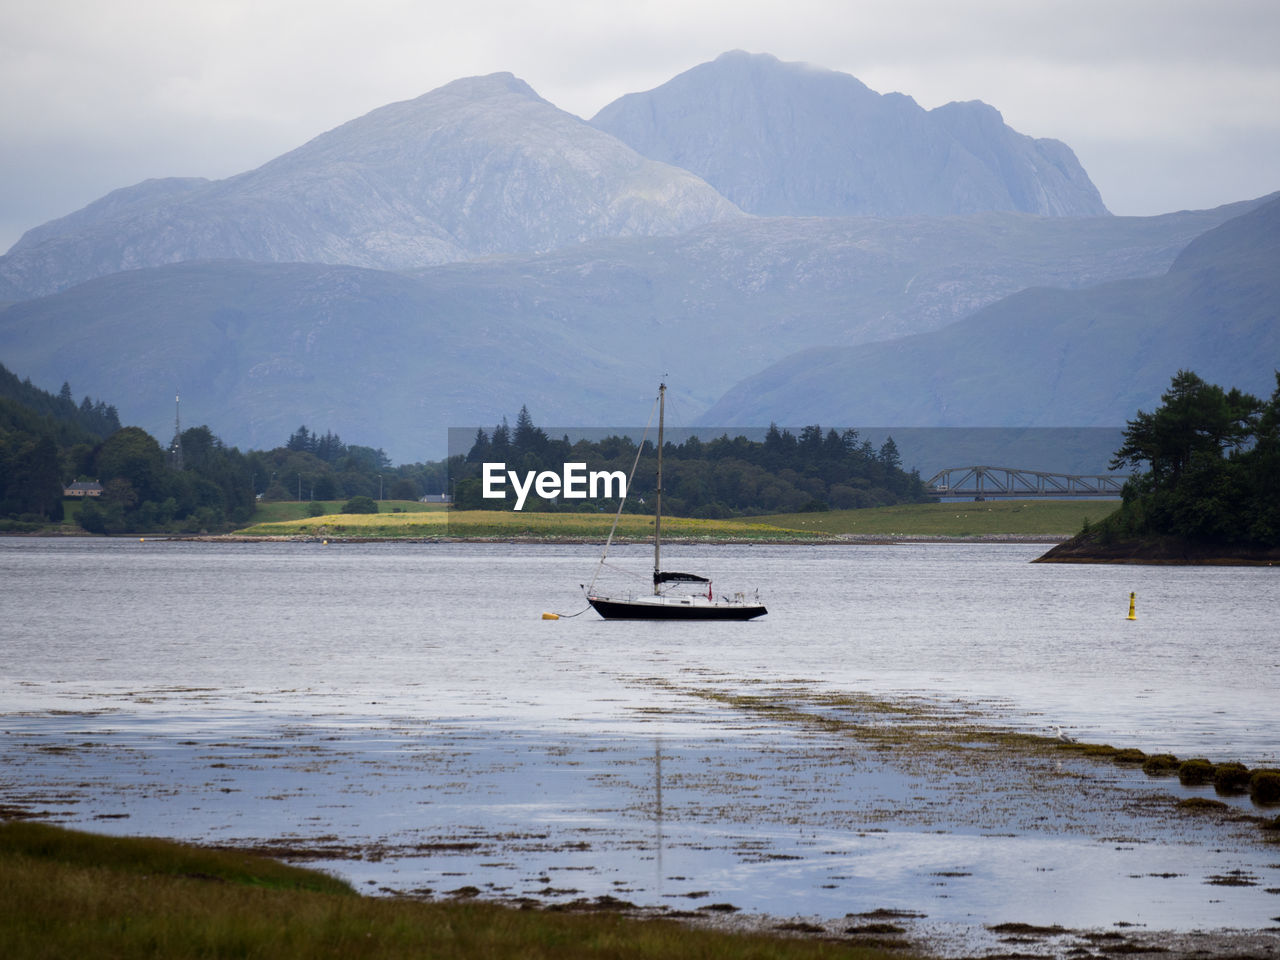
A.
pixel 1010 482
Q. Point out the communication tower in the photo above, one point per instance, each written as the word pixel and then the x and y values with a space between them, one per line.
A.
pixel 175 447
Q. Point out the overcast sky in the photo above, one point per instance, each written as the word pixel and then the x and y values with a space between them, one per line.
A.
pixel 1169 104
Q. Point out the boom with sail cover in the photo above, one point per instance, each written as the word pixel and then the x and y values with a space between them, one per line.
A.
pixel 671 576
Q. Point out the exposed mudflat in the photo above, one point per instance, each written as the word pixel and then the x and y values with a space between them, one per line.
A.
pixel 903 821
pixel 875 759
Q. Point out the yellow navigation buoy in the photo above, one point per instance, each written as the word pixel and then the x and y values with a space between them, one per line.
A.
pixel 1132 614
pixel 551 616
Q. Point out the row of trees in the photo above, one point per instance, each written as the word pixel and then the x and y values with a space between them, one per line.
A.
pixel 724 477
pixel 143 491
pixel 48 441
pixel 314 467
pixel 1211 456
pixel 1212 467
pixel 218 486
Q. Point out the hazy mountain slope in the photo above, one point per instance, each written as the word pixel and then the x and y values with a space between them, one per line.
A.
pixel 580 335
pixel 258 349
pixel 478 167
pixel 1052 357
pixel 717 303
pixel 789 139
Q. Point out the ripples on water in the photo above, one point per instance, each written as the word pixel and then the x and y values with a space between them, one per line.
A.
pixel 391 692
pixel 1046 644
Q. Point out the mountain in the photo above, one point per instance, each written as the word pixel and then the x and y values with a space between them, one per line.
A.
pixel 481 166
pixel 581 335
pixel 442 261
pixel 788 139
pixel 1047 357
pixel 255 350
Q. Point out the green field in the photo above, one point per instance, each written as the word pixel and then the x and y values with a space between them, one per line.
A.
pixel 275 511
pixel 71 894
pixel 499 524
pixel 1047 518
pixel 966 519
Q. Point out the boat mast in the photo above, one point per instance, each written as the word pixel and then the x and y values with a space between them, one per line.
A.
pixel 657 513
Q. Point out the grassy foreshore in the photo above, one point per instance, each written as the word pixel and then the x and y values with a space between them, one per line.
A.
pixel 494 524
pixel 1050 519
pixel 1057 519
pixel 67 894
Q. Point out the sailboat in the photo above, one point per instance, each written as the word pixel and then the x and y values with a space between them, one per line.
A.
pixel 662 605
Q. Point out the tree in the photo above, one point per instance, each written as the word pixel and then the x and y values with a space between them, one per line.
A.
pixel 405 489
pixel 132 454
pixel 1213 467
pixel 325 487
pixel 30 482
pixel 301 441
pixel 199 447
pixel 528 438
pixel 1195 419
pixel 889 455
pixel 500 442
pixel 479 451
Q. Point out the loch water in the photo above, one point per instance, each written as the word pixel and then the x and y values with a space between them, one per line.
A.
pixel 409 699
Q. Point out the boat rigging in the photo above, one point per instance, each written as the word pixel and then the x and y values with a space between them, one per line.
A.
pixel 662 605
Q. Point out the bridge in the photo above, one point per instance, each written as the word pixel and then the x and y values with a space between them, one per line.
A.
pixel 982 482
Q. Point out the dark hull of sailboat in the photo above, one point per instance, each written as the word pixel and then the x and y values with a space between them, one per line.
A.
pixel 646 609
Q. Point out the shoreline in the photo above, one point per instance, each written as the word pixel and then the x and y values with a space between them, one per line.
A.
pixel 1070 783
pixel 1158 551
pixel 854 539
pixel 1064 548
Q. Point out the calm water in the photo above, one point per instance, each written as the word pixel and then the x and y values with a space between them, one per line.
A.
pixel 409 695
pixel 1196 672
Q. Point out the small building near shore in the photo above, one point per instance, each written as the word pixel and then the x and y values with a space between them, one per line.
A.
pixel 83 488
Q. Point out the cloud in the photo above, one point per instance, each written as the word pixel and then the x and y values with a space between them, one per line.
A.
pixel 96 95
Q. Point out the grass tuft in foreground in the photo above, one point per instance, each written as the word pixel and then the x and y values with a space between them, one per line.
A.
pixel 65 894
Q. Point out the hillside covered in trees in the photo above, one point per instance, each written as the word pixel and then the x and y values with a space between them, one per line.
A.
pixel 724 477
pixel 44 438
pixel 195 484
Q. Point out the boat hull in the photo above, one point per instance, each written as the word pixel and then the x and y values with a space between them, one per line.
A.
pixel 647 608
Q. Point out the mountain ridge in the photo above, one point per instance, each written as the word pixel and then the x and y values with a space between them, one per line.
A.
pixel 444 260
pixel 478 167
pixel 1084 357
pixel 579 335
pixel 787 139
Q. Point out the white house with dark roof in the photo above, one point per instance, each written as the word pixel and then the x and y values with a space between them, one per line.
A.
pixel 83 488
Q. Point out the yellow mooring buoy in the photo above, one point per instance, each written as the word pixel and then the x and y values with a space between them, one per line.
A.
pixel 1132 615
pixel 551 616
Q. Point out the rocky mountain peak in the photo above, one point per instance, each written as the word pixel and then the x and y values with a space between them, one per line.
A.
pixel 793 139
pixel 478 167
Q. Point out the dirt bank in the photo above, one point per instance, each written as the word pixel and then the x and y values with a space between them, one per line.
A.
pixel 1085 548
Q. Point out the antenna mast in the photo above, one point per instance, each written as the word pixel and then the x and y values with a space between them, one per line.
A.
pixel 175 448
